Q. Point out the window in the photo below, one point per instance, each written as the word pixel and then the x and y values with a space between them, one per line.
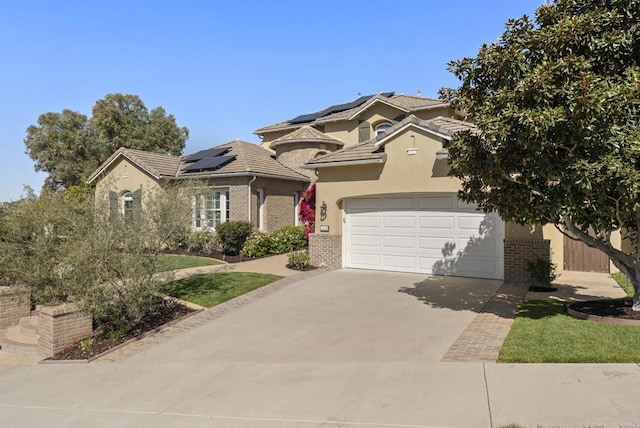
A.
pixel 210 210
pixel 127 205
pixel 382 127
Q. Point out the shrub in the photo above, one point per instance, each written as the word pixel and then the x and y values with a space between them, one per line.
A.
pixel 298 260
pixel 289 238
pixel 232 236
pixel 203 242
pixel 308 210
pixel 258 244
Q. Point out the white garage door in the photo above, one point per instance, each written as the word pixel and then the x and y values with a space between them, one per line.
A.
pixel 433 234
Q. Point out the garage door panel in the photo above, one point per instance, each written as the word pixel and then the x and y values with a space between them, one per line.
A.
pixel 399 221
pixel 435 223
pixel 470 223
pixel 365 204
pixel 400 262
pixel 366 259
pixel 398 203
pixel 365 221
pixel 395 241
pixel 436 243
pixel 436 203
pixel 372 241
pixel 432 234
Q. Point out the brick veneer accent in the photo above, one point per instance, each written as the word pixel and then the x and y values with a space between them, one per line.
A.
pixel 325 250
pixel 516 254
pixel 59 327
pixel 14 304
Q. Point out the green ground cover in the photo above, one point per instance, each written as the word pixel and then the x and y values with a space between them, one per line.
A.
pixel 212 289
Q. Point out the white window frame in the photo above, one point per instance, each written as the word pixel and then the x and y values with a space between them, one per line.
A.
pixel 205 207
pixel 382 127
pixel 127 205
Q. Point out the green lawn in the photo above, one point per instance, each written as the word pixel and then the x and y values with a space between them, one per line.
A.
pixel 168 262
pixel 543 333
pixel 624 282
pixel 212 289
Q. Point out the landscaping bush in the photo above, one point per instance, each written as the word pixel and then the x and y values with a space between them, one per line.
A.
pixel 298 260
pixel 289 238
pixel 232 236
pixel 258 244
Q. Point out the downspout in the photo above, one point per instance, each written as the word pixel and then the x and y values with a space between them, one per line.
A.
pixel 249 199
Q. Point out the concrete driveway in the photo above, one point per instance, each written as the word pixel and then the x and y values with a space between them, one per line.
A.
pixel 341 316
pixel 341 349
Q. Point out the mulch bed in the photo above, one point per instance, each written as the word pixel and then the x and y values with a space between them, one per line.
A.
pixel 103 343
pixel 619 308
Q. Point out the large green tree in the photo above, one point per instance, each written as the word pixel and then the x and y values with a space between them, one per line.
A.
pixel 69 146
pixel 556 100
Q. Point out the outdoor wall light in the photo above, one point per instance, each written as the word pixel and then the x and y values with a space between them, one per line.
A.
pixel 323 211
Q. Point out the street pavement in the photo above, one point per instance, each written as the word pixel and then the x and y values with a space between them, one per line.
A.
pixel 343 348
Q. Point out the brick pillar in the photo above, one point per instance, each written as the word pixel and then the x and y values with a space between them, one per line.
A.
pixel 325 250
pixel 517 252
pixel 60 327
pixel 14 304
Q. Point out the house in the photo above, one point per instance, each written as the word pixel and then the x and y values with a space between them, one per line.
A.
pixel 240 181
pixel 384 199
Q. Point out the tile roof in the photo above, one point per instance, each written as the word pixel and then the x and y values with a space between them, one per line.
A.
pixel 251 159
pixel 406 103
pixel 371 150
pixel 157 164
pixel 306 134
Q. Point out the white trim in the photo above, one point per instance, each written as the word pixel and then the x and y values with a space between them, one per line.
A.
pixel 344 163
pixel 404 128
pixel 241 174
pixel 377 100
pixel 126 197
pixel 296 208
pixel 260 209
pixel 199 205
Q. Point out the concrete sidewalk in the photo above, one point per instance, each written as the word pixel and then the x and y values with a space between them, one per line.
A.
pixel 274 265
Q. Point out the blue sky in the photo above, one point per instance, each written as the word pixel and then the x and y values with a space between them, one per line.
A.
pixel 225 68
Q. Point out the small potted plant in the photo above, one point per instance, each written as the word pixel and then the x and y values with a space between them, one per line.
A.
pixel 542 274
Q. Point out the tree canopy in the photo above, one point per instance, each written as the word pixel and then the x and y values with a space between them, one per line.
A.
pixel 556 100
pixel 69 146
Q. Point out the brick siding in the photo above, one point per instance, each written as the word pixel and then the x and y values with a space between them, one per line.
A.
pixel 59 327
pixel 325 250
pixel 14 304
pixel 278 202
pixel 516 254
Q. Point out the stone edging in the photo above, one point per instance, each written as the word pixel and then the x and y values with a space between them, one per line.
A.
pixel 123 344
pixel 597 318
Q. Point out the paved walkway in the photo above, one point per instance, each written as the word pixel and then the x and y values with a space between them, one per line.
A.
pixel 483 338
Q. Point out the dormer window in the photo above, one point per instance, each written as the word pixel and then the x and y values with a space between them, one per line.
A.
pixel 382 127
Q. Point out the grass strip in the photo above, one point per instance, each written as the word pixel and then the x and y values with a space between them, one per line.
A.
pixel 543 333
pixel 212 289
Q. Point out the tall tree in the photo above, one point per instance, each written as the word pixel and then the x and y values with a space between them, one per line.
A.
pixel 557 102
pixel 69 146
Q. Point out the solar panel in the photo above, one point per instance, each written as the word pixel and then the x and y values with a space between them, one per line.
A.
pixel 207 153
pixel 335 109
pixel 209 163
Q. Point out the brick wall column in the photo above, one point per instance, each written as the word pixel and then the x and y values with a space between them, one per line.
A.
pixel 517 252
pixel 59 327
pixel 14 304
pixel 325 250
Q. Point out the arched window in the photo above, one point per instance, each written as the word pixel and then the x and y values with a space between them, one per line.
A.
pixel 127 205
pixel 382 127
